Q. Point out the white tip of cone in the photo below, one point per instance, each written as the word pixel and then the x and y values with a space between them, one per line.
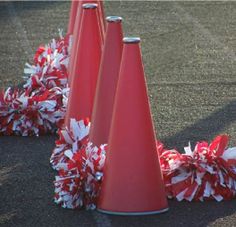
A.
pixel 90 6
pixel 115 19
pixel 131 40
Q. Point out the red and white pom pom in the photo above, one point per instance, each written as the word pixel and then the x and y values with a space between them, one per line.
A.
pixel 207 172
pixel 70 140
pixel 52 72
pixel 50 65
pixel 40 107
pixel 31 114
pixel 78 185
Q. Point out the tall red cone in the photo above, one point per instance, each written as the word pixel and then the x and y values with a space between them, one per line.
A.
pixel 132 183
pixel 76 31
pixel 107 82
pixel 72 16
pixel 75 38
pixel 76 5
pixel 86 69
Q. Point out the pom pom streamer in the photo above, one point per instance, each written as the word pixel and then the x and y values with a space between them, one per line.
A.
pixel 69 142
pixel 33 114
pixel 79 166
pixel 39 107
pixel 208 172
pixel 79 184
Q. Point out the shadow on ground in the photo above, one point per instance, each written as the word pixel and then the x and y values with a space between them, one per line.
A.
pixel 204 129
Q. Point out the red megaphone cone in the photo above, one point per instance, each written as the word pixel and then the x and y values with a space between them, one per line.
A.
pixel 132 183
pixel 73 13
pixel 86 69
pixel 75 37
pixel 76 31
pixel 76 5
pixel 107 82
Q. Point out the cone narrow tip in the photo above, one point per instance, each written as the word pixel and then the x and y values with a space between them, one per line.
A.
pixel 115 19
pixel 90 6
pixel 131 40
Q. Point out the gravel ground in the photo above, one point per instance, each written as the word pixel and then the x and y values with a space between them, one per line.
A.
pixel 189 55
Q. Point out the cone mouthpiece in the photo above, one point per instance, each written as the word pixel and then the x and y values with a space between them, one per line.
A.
pixel 90 6
pixel 114 19
pixel 131 40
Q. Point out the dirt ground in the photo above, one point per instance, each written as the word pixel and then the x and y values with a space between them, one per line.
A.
pixel 189 52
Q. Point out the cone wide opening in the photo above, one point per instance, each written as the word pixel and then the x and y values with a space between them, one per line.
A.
pixel 133 213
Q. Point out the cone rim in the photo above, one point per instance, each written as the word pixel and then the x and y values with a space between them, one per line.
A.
pixel 131 39
pixel 90 6
pixel 115 19
pixel 142 213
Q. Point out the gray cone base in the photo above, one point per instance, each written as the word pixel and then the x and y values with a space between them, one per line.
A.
pixel 133 213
